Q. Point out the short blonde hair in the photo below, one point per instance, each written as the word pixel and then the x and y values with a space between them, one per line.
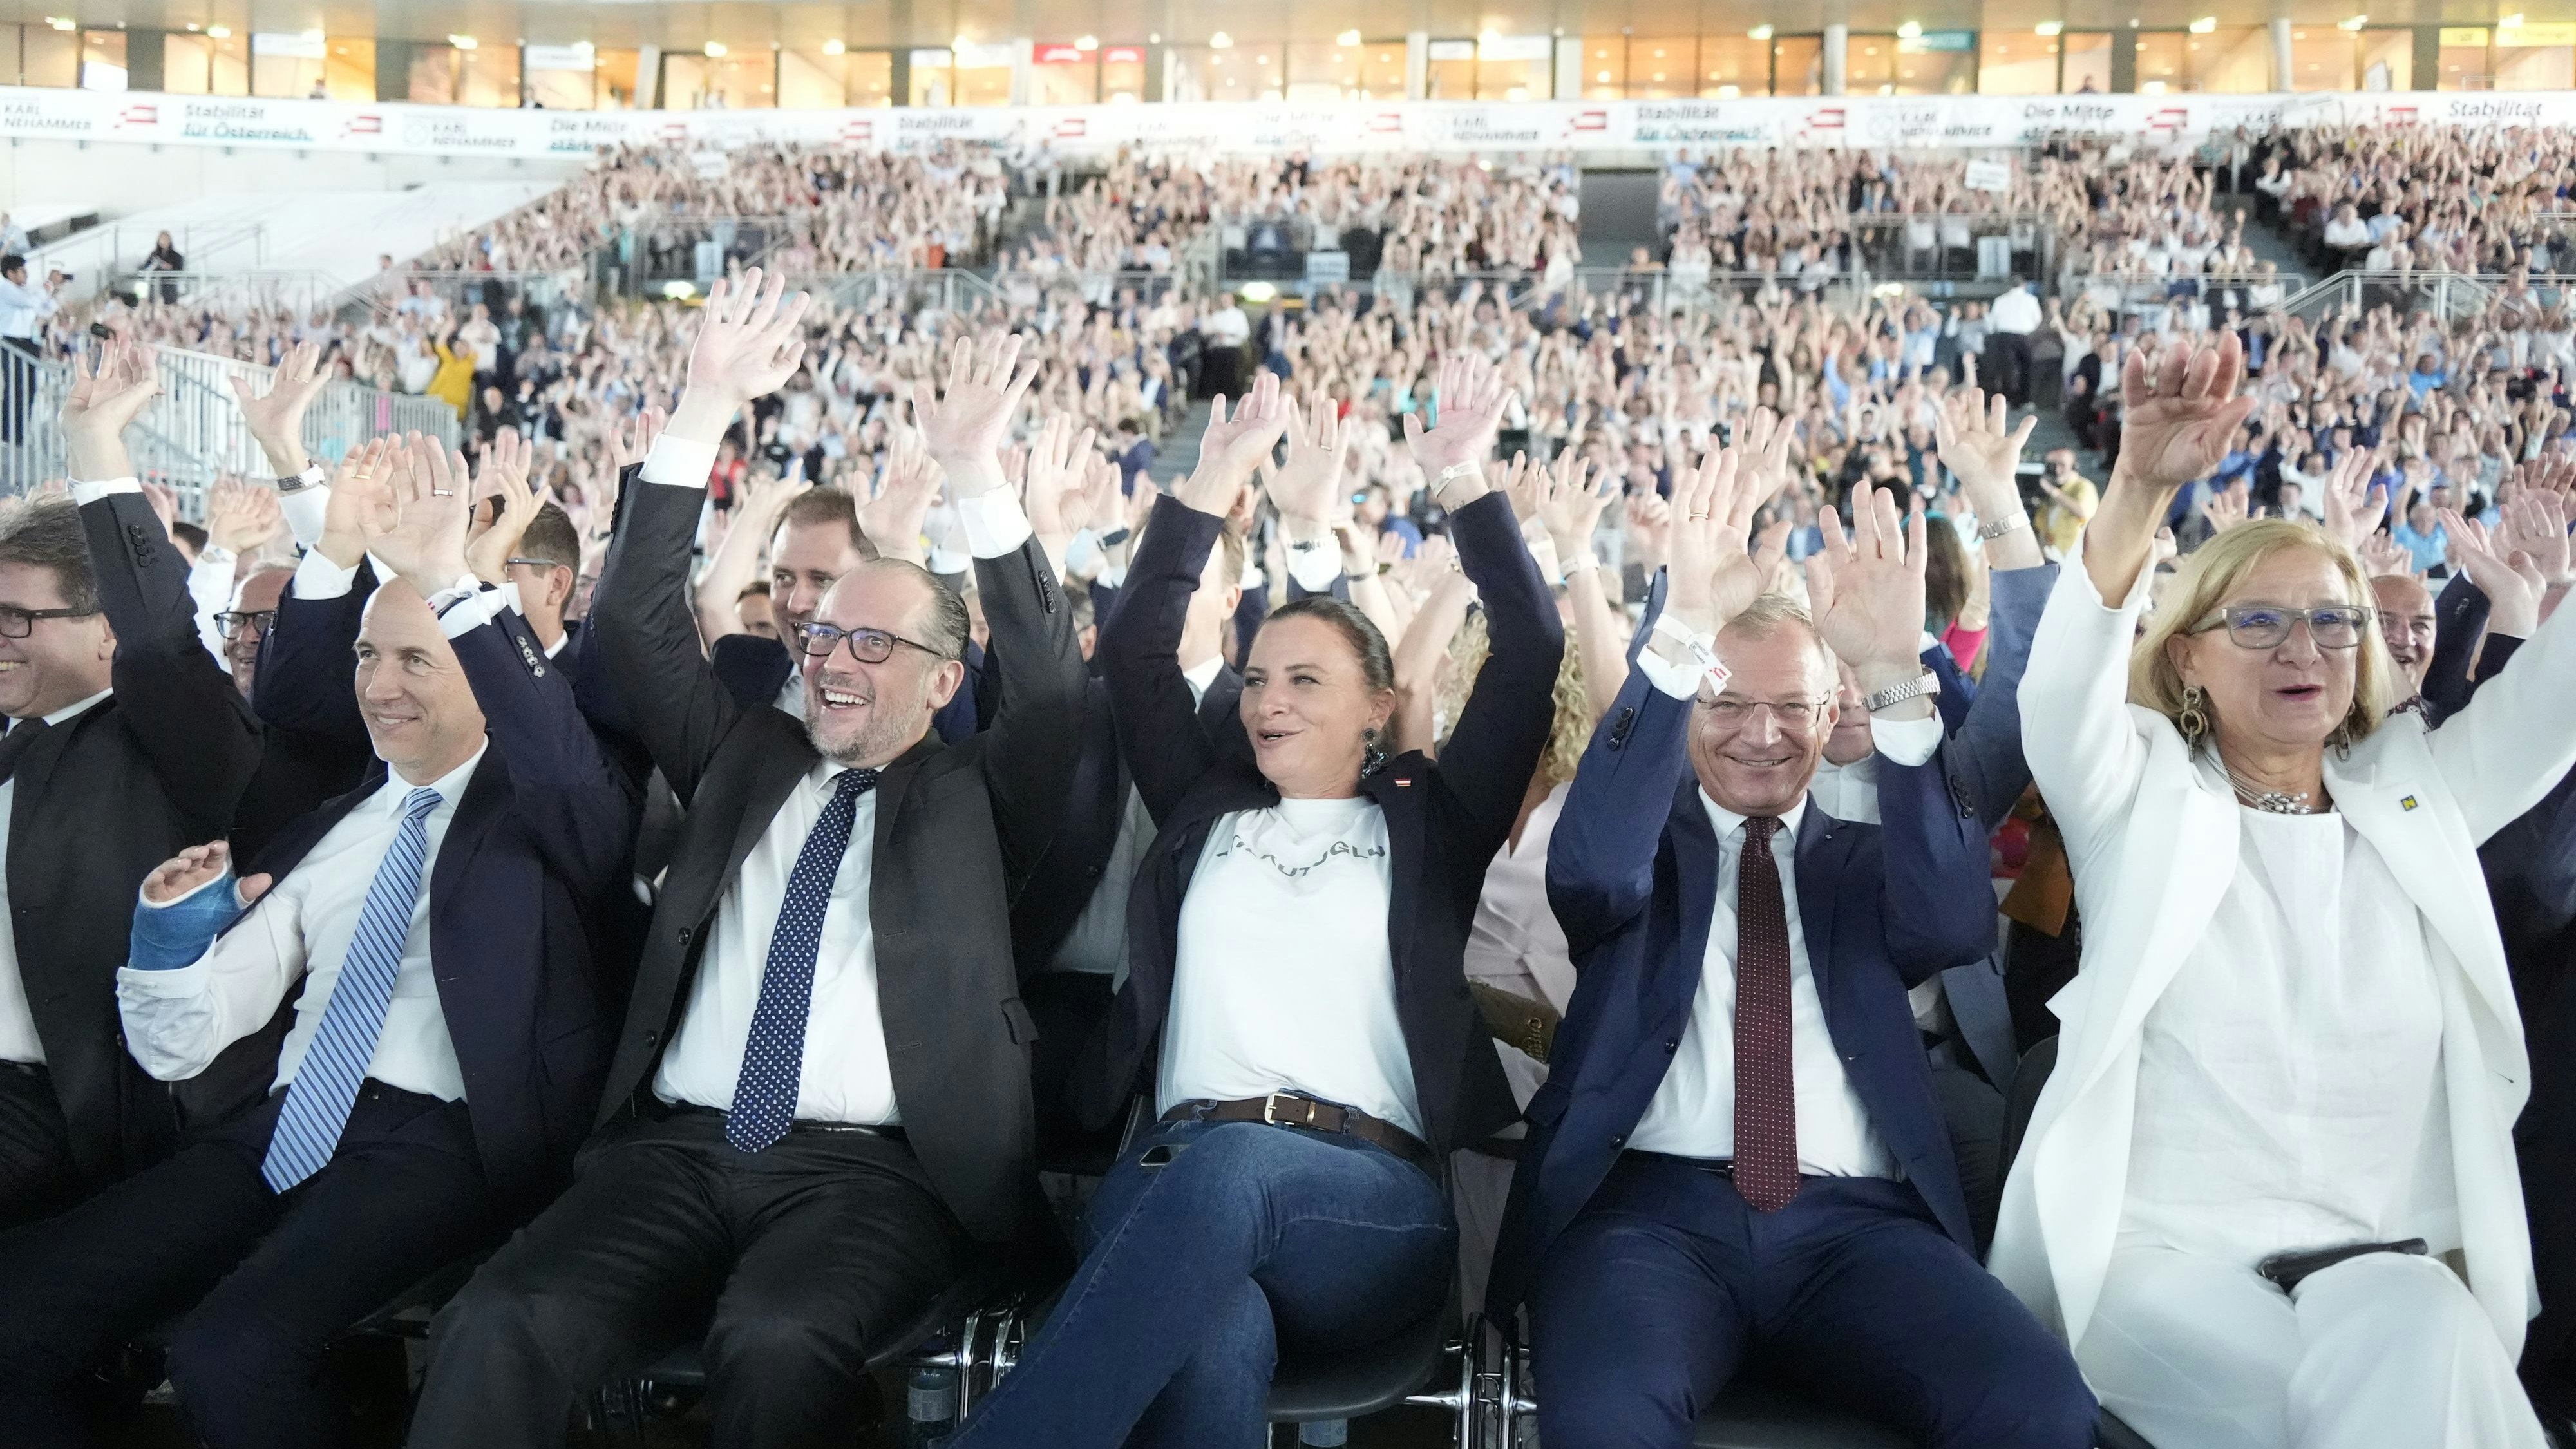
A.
pixel 2203 584
pixel 1569 732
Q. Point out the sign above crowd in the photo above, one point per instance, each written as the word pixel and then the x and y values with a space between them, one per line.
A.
pixel 1250 127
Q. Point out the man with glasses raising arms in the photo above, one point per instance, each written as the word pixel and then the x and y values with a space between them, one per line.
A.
pixel 819 1111
pixel 126 743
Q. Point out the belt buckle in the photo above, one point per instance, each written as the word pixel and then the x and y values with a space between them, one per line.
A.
pixel 1270 1110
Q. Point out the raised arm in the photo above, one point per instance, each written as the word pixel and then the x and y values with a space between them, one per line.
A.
pixel 1158 728
pixel 746 347
pixel 1985 757
pixel 1568 499
pixel 2517 738
pixel 193 725
pixel 200 974
pixel 2076 731
pixel 1503 728
pixel 1035 741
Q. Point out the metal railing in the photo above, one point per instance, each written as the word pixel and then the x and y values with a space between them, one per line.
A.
pixel 953 290
pixel 2250 292
pixel 231 294
pixel 33 452
pixel 2447 294
pixel 1952 246
pixel 197 412
pixel 1100 289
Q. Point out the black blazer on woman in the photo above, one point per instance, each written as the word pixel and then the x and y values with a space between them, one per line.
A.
pixel 1444 821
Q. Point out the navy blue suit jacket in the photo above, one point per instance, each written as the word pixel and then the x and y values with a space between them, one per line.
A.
pixel 539 841
pixel 1632 875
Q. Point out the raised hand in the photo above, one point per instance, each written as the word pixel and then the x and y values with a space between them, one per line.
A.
pixel 2349 516
pixel 426 545
pixel 1867 592
pixel 362 504
pixel 892 519
pixel 105 398
pixel 2181 418
pixel 1715 575
pixel 1515 487
pixel 1471 399
pixel 1234 445
pixel 1765 446
pixel 192 868
pixel 503 475
pixel 1307 489
pixel 276 416
pixel 1650 528
pixel 2513 595
pixel 1568 500
pixel 165 504
pixel 747 347
pixel 2535 529
pixel 630 440
pixel 963 431
pixel 1977 442
pixel 2383 557
pixel 240 517
pixel 1055 477
pixel 2229 507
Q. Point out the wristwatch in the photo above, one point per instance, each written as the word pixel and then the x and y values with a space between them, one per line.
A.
pixel 1895 694
pixel 2018 518
pixel 311 477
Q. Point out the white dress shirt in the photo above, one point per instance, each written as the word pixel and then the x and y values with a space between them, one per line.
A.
pixel 2290 1087
pixel 176 1022
pixel 1282 978
pixel 23 305
pixel 845 1076
pixel 18 1040
pixel 2016 311
pixel 1098 941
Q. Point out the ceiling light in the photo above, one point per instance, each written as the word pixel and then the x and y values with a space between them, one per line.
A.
pixel 1154 39
pixel 1910 30
pixel 715 50
pixel 192 25
pixel 462 42
pixel 1347 37
pixel 2355 23
pixel 220 32
pixel 1086 43
pixel 961 42
pixel 2204 25
pixel 2511 22
pixel 833 47
pixel 1760 32
pixel 1220 41
pixel 2052 27
pixel 60 22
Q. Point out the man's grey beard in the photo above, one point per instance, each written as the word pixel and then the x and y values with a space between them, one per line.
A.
pixel 886 736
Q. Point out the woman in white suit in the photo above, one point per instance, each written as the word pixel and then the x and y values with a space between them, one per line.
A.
pixel 2292 1028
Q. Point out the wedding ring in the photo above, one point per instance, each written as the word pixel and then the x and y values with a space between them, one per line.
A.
pixel 1701 517
pixel 442 493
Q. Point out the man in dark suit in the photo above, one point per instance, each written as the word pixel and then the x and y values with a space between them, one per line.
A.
pixel 127 742
pixel 820 1102
pixel 1738 1155
pixel 448 1036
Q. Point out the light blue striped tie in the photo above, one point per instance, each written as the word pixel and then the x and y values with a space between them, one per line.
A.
pixel 326 1081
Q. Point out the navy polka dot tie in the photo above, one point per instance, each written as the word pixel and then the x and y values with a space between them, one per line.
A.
pixel 773 1059
pixel 1766 1097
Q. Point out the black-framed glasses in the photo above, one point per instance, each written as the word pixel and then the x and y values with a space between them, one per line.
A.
pixel 868 646
pixel 2266 626
pixel 17 623
pixel 231 622
pixel 1797 716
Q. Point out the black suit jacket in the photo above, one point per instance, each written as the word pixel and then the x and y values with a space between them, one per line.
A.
pixel 539 842
pixel 100 800
pixel 958 830
pixel 1444 821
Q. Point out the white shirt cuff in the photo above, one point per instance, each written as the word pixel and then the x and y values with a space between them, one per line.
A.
pixel 86 494
pixel 305 509
pixel 1315 568
pixel 680 462
pixel 1906 741
pixel 319 578
pixel 466 606
pixel 1678 677
pixel 994 525
pixel 1115 576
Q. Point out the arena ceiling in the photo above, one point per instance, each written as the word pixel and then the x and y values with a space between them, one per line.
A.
pixel 688 24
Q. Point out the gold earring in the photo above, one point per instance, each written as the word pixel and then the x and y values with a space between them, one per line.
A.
pixel 2194 720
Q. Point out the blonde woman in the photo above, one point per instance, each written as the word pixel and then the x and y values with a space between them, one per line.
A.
pixel 2292 1030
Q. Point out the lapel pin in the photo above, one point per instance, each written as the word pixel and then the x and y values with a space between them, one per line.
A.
pixel 2407 803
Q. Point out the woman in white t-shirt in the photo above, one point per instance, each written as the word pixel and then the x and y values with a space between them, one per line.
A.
pixel 1295 1010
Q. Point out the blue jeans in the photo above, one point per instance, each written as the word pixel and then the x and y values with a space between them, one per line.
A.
pixel 1195 1268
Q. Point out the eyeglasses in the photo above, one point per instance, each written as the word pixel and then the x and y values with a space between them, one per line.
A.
pixel 2266 626
pixel 16 623
pixel 231 623
pixel 868 646
pixel 1796 716
pixel 536 563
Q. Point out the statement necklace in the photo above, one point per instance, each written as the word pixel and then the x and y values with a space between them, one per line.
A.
pixel 2276 802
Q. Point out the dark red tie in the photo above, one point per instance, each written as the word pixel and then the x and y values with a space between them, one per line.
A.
pixel 1766 1098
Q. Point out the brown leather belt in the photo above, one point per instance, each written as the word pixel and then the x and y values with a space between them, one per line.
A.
pixel 1287 1109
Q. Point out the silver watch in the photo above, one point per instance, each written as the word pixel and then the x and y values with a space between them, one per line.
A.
pixel 2018 518
pixel 313 476
pixel 1895 694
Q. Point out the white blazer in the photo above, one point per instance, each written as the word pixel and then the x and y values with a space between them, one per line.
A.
pixel 2153 846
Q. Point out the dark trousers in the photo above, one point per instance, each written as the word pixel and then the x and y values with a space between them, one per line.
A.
pixel 2007 366
pixel 37 1175
pixel 788 1260
pixel 1666 1285
pixel 1207 1246
pixel 272 1279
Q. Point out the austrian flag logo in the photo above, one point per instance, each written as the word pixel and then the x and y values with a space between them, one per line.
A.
pixel 365 123
pixel 141 114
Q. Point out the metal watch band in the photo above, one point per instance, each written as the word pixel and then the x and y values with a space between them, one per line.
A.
pixel 312 476
pixel 1895 694
pixel 2018 518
